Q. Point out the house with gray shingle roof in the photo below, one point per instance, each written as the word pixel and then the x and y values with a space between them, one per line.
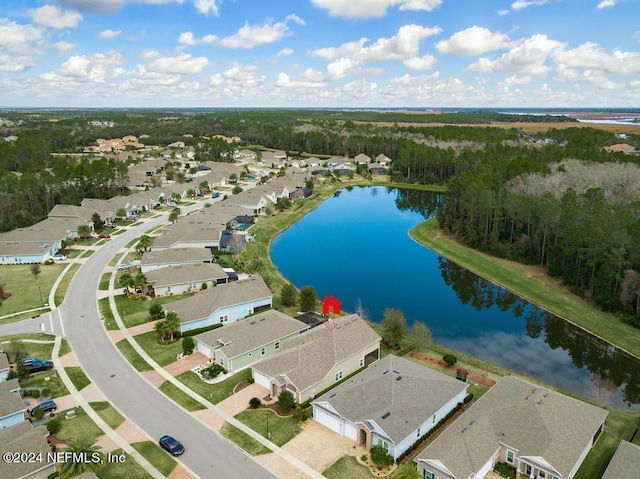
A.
pixel 542 433
pixel 4 367
pixel 36 243
pixel 12 408
pixel 319 358
pixel 226 303
pixel 383 159
pixel 392 403
pixel 625 463
pixel 187 278
pixel 26 439
pixel 152 260
pixel 247 341
pixel 188 235
pixel 362 158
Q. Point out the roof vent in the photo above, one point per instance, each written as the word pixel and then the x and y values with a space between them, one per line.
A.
pixel 386 415
pixel 398 378
pixel 385 372
pixel 464 430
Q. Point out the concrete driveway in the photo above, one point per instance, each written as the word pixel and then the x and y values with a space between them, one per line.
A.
pixel 240 400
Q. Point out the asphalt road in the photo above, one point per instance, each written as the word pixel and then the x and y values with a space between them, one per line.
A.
pixel 207 454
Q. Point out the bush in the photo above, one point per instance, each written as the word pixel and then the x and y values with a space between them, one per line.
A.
pixel 156 311
pixel 193 332
pixel 204 286
pixel 31 392
pixel 301 413
pixel 380 457
pixel 364 458
pixel 505 470
pixel 54 425
pixel 188 345
pixel 49 262
pixel 450 359
pixel 39 414
pixel 46 392
pixel 285 400
pixel 468 398
pixel 254 403
pixel 212 371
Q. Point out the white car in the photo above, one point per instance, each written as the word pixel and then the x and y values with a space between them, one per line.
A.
pixel 123 266
pixel 59 257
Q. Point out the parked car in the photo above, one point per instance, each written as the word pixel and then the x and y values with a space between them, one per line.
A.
pixel 172 445
pixel 104 236
pixel 59 257
pixel 135 262
pixel 123 266
pixel 46 406
pixel 35 365
pixel 134 217
pixel 215 194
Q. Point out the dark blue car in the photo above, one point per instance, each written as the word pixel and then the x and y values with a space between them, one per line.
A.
pixel 46 406
pixel 172 445
pixel 35 365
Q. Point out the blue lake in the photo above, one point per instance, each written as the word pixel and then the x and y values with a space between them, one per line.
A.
pixel 356 247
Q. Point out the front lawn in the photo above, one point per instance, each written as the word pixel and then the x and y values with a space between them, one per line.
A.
pixel 132 356
pixel 347 467
pixel 182 398
pixel 80 425
pixel 25 288
pixel 104 282
pixel 46 379
pixel 243 440
pixel 281 429
pixel 214 392
pixel 107 413
pixel 130 469
pixel 136 311
pixel 61 290
pixel 163 354
pixel 78 377
pixel 161 460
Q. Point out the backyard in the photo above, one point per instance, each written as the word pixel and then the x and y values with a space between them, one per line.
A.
pixel 27 291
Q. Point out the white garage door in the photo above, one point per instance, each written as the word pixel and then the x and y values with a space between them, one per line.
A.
pixel 204 349
pixel 261 379
pixel 328 420
pixel 351 431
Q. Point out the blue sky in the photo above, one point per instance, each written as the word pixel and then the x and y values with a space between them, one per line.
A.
pixel 326 53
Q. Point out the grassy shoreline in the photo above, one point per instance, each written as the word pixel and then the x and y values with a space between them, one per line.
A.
pixel 533 284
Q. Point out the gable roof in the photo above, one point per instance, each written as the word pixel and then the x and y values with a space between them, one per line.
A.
pixel 206 302
pixel 185 273
pixel 252 333
pixel 177 255
pixel 187 232
pixel 307 359
pixel 23 438
pixel 10 400
pixel 394 395
pixel 536 421
pixel 625 463
pixel 362 158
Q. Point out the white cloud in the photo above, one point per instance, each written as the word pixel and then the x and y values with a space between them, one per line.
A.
pixel 528 56
pixel 522 4
pixel 96 68
pixel 238 76
pixel 183 64
pixel 284 81
pixel 606 3
pixel 207 7
pixel 12 33
pixel 187 38
pixel 63 47
pixel 20 46
pixel 373 8
pixel 250 36
pixel 591 55
pixel 284 52
pixel 149 55
pixel 51 16
pixel 109 34
pixel 405 44
pixel 104 6
pixel 473 41
pixel 425 62
pixel 514 81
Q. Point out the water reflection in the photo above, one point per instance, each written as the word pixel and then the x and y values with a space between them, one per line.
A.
pixel 613 374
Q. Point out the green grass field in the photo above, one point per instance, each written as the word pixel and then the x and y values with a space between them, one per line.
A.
pixel 25 288
pixel 129 469
pixel 161 460
pixel 213 392
pixel 80 425
pixel 61 290
pixel 163 354
pixel 180 397
pixel 136 311
pixel 78 377
pixel 243 440
pixel 347 467
pixel 107 413
pixel 281 429
pixel 132 356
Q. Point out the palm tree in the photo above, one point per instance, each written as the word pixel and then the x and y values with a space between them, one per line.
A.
pixel 82 446
pixel 84 231
pixel 144 242
pixel 126 281
pixel 140 281
pixel 121 213
pixel 173 324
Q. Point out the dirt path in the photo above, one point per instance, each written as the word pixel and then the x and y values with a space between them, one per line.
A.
pixel 476 378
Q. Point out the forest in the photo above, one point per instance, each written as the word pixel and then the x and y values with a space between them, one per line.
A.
pixel 555 198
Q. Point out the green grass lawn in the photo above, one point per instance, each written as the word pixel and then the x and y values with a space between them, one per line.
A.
pixel 163 354
pixel 25 288
pixel 136 311
pixel 281 429
pixel 129 469
pixel 107 413
pixel 161 460
pixel 33 350
pixel 78 377
pixel 243 440
pixel 64 348
pixel 104 282
pixel 54 384
pixel 64 284
pixel 213 392
pixel 180 397
pixel 533 284
pixel 347 467
pixel 105 312
pixel 132 356
pixel 80 425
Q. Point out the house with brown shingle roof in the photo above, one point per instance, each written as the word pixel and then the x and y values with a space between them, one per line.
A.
pixel 36 243
pixel 625 463
pixel 243 343
pixel 226 304
pixel 541 433
pixel 152 260
pixel 31 441
pixel 4 367
pixel 12 408
pixel 317 359
pixel 187 278
pixel 391 403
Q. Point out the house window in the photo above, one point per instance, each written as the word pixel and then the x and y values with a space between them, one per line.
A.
pixel 384 444
pixel 542 474
pixel 361 362
pixel 433 419
pixel 263 351
pixel 510 456
pixel 277 345
pixel 428 474
pixel 338 375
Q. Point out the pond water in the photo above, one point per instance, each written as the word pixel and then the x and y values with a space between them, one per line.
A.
pixel 356 247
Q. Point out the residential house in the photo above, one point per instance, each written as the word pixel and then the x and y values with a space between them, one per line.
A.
pixel 153 260
pixel 245 342
pixel 317 359
pixel 4 366
pixel 625 463
pixel 254 202
pixel 392 403
pixel 12 408
pixel 187 278
pixel 246 155
pixel 362 158
pixel 188 235
pixel 383 159
pixel 226 303
pixel 36 243
pixel 542 433
pixel 377 169
pixel 29 442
